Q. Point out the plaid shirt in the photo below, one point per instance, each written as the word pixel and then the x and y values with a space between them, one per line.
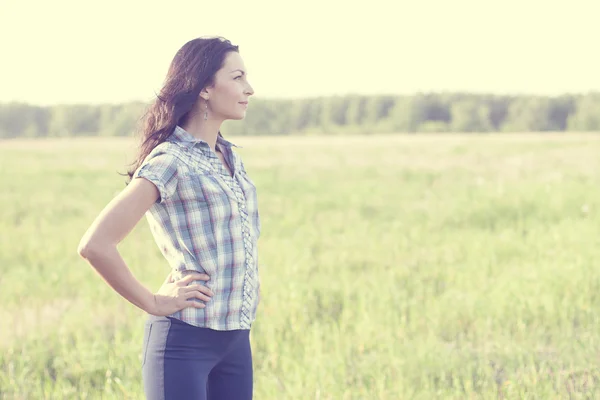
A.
pixel 206 221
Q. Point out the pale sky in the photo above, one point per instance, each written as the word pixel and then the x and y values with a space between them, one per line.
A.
pixel 63 51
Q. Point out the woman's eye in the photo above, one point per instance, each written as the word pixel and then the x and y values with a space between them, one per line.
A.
pixel 237 77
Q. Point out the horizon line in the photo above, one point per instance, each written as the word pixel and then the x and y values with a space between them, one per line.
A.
pixel 349 94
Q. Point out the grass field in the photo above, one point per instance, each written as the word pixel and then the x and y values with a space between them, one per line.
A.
pixel 392 267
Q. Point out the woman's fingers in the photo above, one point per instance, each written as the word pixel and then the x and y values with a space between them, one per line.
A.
pixel 201 288
pixel 194 291
pixel 189 292
pixel 193 277
pixel 196 304
pixel 197 294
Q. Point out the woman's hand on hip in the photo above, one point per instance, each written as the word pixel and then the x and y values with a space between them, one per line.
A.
pixel 174 296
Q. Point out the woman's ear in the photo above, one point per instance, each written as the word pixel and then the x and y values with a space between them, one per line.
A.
pixel 204 94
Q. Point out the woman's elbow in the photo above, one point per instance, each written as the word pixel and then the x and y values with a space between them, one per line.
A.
pixel 87 248
pixel 83 249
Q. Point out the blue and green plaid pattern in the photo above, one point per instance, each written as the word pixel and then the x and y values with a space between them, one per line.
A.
pixel 207 221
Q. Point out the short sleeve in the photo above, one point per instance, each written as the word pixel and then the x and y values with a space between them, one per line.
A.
pixel 160 168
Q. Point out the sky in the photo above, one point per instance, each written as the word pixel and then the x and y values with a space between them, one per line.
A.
pixel 114 51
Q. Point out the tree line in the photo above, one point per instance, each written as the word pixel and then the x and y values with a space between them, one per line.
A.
pixel 351 114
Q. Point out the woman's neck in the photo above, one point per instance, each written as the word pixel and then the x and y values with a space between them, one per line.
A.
pixel 206 130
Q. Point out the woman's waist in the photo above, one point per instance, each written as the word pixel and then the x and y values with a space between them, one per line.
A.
pixel 224 279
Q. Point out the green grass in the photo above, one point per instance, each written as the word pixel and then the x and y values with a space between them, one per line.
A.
pixel 392 267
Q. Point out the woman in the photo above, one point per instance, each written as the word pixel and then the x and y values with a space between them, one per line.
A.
pixel 202 210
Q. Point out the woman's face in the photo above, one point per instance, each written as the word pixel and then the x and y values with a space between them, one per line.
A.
pixel 228 97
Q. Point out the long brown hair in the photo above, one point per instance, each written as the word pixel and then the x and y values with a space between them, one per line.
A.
pixel 192 69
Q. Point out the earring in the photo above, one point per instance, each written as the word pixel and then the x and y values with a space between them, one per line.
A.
pixel 206 111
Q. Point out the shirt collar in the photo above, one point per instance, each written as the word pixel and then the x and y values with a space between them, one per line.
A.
pixel 185 138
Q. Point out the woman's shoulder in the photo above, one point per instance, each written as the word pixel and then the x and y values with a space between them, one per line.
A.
pixel 166 147
pixel 164 159
pixel 167 151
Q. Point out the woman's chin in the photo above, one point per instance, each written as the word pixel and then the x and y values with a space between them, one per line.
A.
pixel 235 115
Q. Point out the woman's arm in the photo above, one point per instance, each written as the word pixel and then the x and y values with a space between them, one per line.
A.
pixel 99 243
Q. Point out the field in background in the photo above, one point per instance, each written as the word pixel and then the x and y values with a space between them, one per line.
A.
pixel 392 267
